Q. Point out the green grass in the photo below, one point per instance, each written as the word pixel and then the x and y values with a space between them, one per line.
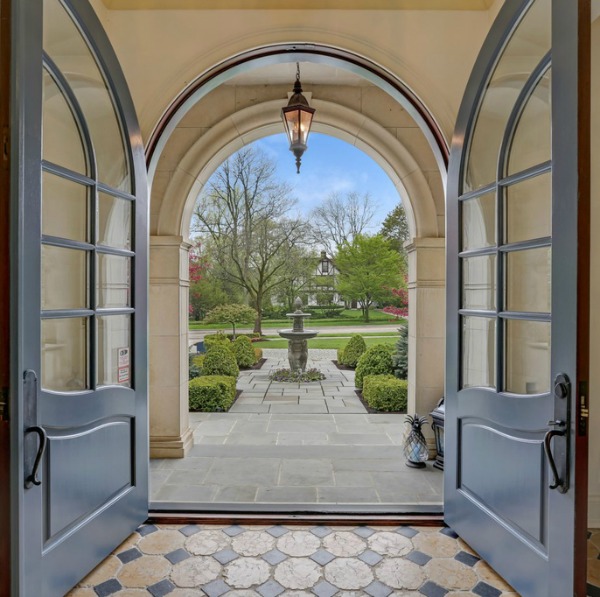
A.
pixel 346 335
pixel 348 318
pixel 332 343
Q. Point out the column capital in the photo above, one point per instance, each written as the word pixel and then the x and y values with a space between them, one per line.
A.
pixel 169 241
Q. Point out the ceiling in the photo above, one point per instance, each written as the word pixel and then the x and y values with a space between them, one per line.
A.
pixel 299 4
pixel 310 74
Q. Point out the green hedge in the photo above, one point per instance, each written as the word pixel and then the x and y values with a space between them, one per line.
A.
pixel 258 353
pixel 218 339
pixel 219 360
pixel 376 360
pixel 243 352
pixel 211 393
pixel 340 355
pixel 385 392
pixel 353 351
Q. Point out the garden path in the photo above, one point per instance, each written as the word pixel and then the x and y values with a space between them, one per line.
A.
pixel 285 445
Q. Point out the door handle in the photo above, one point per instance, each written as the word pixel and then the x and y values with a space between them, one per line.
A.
pixel 557 483
pixel 32 479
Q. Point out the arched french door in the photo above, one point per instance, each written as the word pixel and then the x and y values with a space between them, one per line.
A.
pixel 80 458
pixel 517 304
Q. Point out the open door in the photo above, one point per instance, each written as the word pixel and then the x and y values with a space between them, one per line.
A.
pixel 79 451
pixel 518 306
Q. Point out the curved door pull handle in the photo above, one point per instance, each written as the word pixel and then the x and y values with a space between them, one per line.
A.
pixel 32 479
pixel 558 482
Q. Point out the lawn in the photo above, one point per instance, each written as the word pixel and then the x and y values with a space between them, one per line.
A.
pixel 347 318
pixel 332 343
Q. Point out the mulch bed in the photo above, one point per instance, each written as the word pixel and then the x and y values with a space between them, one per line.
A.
pixel 342 367
pixel 258 364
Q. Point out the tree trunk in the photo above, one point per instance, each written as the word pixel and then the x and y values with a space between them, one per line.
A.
pixel 366 310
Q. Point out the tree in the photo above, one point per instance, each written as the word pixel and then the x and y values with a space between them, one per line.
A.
pixel 368 268
pixel 395 228
pixel 341 218
pixel 232 314
pixel 299 276
pixel 243 213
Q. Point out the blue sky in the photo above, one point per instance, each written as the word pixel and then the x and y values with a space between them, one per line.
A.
pixel 328 165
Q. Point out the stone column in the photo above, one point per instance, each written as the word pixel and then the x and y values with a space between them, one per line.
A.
pixel 426 326
pixel 170 433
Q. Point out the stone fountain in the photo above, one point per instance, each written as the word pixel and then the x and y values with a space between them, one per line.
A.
pixel 297 338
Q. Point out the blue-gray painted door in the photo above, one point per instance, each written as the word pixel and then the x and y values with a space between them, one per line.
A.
pixel 517 305
pixel 79 299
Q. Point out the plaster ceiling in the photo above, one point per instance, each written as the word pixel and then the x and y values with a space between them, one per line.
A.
pixel 310 74
pixel 299 4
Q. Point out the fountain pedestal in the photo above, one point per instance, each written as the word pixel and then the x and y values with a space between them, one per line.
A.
pixel 297 338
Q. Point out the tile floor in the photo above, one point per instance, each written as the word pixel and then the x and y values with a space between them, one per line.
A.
pixel 292 561
pixel 593 562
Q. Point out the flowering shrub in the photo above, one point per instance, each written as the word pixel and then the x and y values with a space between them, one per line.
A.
pixel 396 311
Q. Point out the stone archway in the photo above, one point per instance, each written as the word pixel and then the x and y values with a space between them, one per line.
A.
pixel 189 158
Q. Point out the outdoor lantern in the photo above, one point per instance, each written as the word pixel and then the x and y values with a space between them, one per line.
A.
pixel 438 416
pixel 297 117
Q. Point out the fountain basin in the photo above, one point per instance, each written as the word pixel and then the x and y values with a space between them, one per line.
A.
pixel 292 335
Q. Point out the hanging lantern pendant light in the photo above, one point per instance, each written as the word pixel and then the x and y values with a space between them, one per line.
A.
pixel 297 117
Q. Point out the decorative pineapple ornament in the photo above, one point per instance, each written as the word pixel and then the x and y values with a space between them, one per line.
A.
pixel 415 444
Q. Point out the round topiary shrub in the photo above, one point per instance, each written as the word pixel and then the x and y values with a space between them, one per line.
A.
pixel 385 393
pixel 219 360
pixel 353 351
pixel 376 360
pixel 211 393
pixel 218 339
pixel 258 353
pixel 243 352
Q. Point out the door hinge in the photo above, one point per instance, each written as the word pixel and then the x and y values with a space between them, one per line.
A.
pixel 4 404
pixel 583 408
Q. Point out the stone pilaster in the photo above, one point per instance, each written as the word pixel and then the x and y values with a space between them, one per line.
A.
pixel 170 433
pixel 427 325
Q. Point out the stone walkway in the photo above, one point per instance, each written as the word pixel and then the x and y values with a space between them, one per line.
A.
pixel 293 561
pixel 281 443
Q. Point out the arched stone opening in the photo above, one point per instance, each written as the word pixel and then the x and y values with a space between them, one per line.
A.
pixel 189 158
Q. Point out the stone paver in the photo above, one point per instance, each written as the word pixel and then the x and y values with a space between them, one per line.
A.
pixel 294 573
pixel 298 444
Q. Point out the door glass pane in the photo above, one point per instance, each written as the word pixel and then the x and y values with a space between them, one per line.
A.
pixel 64 208
pixel 478 352
pixel 527 356
pixel 479 282
pixel 64 354
pixel 114 279
pixel 114 221
pixel 479 222
pixel 114 350
pixel 529 209
pixel 528 280
pixel 67 48
pixel 64 278
pixel 62 143
pixel 522 54
pixel 532 142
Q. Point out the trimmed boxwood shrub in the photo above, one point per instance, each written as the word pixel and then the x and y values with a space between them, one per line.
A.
pixel 258 353
pixel 243 352
pixel 353 351
pixel 340 355
pixel 218 339
pixel 195 365
pixel 376 360
pixel 385 392
pixel 219 360
pixel 211 393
